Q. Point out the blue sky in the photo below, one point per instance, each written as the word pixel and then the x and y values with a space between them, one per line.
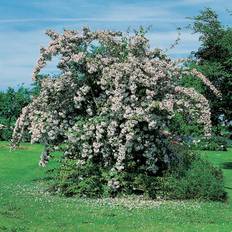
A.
pixel 22 26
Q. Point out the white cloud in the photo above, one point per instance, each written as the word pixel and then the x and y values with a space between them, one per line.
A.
pixel 115 18
pixel 115 12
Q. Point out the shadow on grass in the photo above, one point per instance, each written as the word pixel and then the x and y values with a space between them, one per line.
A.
pixel 8 147
pixel 46 178
pixel 227 165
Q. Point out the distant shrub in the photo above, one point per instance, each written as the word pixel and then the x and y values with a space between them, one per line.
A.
pixel 5 134
pixel 214 143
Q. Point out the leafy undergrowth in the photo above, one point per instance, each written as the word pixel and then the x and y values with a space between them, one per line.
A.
pixel 25 207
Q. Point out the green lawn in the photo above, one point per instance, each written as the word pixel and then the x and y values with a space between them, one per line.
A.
pixel 24 208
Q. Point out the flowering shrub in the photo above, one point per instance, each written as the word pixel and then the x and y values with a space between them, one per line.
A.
pixel 111 105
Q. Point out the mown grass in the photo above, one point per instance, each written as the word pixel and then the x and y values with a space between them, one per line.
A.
pixel 24 207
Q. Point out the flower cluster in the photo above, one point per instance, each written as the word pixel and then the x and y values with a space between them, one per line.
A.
pixel 112 102
pixel 2 126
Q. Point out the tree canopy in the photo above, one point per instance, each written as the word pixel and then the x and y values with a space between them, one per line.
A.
pixel 214 60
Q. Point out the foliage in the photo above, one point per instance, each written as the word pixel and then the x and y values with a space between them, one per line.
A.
pixel 84 181
pixel 111 107
pixel 192 177
pixel 186 127
pixel 189 177
pixel 200 181
pixel 214 59
pixel 11 104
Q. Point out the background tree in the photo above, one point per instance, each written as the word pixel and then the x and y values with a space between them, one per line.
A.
pixel 214 60
pixel 11 103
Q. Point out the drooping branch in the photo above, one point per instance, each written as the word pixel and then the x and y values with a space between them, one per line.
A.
pixel 45 156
